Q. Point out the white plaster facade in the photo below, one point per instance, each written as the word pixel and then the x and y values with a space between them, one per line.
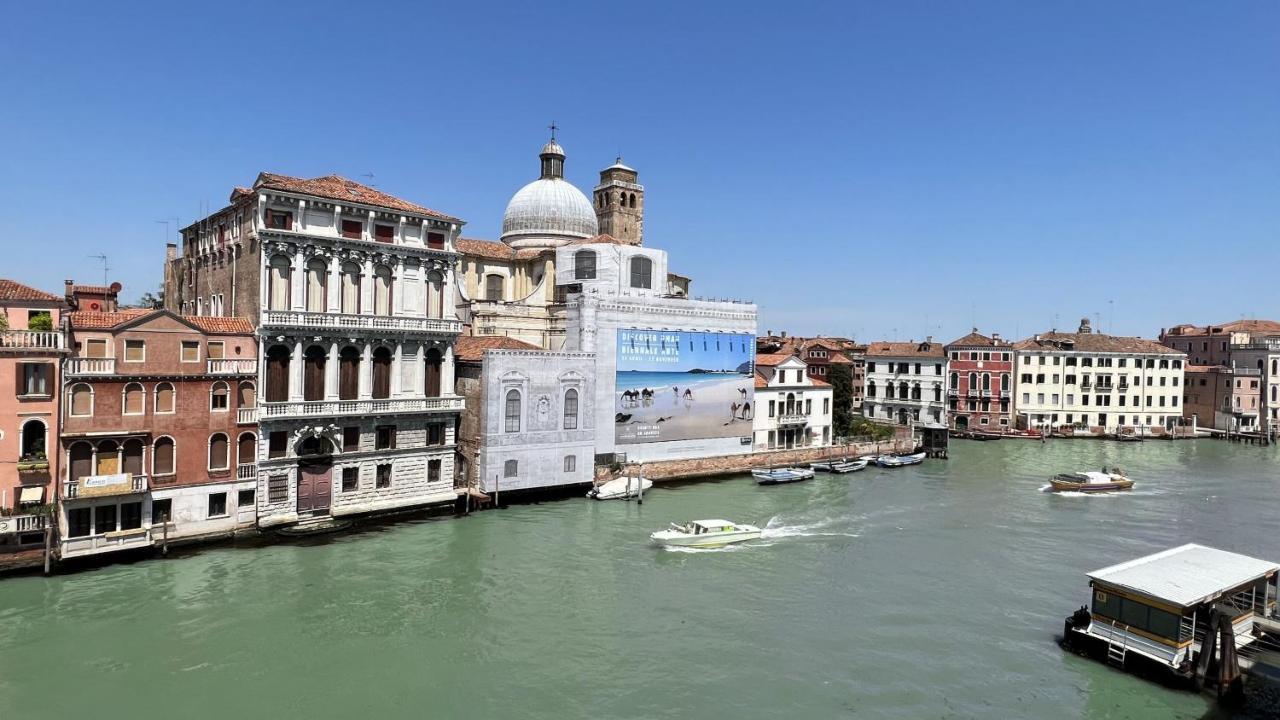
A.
pixel 791 409
pixel 629 290
pixel 538 420
pixel 906 383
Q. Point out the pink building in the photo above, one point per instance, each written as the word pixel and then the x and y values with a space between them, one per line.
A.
pixel 32 343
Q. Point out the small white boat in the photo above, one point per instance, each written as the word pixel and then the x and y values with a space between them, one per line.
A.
pixel 705 533
pixel 823 466
pixel 779 476
pixel 620 488
pixel 849 466
pixel 1091 481
pixel 892 461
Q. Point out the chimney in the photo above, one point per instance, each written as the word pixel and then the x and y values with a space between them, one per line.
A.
pixel 170 251
pixel 784 334
pixel 995 337
pixel 68 284
pixel 1037 338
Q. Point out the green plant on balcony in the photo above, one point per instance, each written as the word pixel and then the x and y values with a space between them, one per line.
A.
pixel 40 323
pixel 4 321
pixel 33 461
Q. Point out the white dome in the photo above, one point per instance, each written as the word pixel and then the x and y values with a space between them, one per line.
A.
pixel 547 213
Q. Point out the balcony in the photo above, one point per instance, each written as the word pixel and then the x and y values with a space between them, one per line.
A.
pixel 792 419
pixel 1271 344
pixel 339 321
pixel 1103 388
pixel 91 486
pixel 1005 394
pixel 246 416
pixel 331 408
pixel 31 341
pixel 953 392
pixel 12 524
pixel 233 367
pixel 81 366
pixel 247 471
pixel 972 392
pixel 988 393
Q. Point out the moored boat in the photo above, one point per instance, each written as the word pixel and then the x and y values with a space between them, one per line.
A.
pixel 823 466
pixel 892 461
pixel 779 476
pixel 705 533
pixel 620 488
pixel 849 466
pixel 1090 482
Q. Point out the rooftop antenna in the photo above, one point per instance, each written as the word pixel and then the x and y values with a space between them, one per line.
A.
pixel 369 175
pixel 1111 317
pixel 165 223
pixel 105 268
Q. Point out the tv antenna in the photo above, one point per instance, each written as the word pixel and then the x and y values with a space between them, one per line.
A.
pixel 105 267
pixel 369 176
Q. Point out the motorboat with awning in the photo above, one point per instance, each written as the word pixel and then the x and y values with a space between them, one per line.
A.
pixel 705 534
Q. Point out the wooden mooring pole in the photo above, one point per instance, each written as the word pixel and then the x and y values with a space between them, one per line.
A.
pixel 48 542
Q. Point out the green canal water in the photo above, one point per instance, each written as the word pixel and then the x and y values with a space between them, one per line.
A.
pixel 927 592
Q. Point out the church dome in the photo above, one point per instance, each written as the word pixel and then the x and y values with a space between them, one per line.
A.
pixel 549 211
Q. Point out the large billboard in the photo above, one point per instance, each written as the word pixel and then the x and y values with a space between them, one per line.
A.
pixel 683 386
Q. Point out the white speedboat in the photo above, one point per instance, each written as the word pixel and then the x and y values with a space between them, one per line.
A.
pixel 705 533
pixel 849 466
pixel 620 488
pixel 823 466
pixel 778 476
pixel 892 461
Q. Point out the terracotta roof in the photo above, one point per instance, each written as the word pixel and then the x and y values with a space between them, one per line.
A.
pixel 819 383
pixel 601 238
pixel 94 320
pixel 470 247
pixel 1093 342
pixel 906 349
pixel 91 320
pixel 761 382
pixel 771 359
pixel 221 325
pixel 1204 368
pixel 977 339
pixel 13 290
pixel 839 359
pixel 336 187
pixel 470 348
pixel 1249 326
pixel 94 289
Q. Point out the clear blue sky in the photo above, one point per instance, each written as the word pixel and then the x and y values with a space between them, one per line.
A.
pixel 883 169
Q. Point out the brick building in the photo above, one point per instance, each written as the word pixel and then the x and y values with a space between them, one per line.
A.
pixel 32 344
pixel 159 424
pixel 980 383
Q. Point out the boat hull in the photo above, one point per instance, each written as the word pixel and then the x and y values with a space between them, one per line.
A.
pixel 849 467
pixel 1065 486
pixel 707 540
pixel 892 461
pixel 782 477
pixel 618 489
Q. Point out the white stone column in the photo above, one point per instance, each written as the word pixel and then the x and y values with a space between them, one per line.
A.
pixel 397 288
pixel 449 305
pixel 367 281
pixel 298 283
pixel 446 374
pixel 331 372
pixel 366 372
pixel 333 293
pixel 296 362
pixel 300 222
pixel 395 370
pixel 424 289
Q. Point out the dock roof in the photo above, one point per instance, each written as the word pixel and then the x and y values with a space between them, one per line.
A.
pixel 1187 575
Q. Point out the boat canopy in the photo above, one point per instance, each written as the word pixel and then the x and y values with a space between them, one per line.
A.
pixel 1187 575
pixel 713 524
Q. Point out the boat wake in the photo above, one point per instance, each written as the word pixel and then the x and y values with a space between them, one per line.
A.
pixel 699 550
pixel 776 530
pixel 1076 493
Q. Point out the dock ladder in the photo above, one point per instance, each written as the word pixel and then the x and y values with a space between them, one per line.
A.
pixel 1116 651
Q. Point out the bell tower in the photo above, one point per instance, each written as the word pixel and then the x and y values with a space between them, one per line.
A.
pixel 619 203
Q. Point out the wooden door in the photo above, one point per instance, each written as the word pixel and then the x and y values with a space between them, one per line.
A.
pixel 314 486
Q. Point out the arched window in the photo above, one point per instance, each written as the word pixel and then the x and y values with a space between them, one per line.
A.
pixel 133 457
pixel 641 272
pixel 986 381
pixel 584 265
pixel 382 373
pixel 871 389
pixel 219 397
pixel 1005 385
pixel 348 373
pixel 313 366
pixel 81 400
pixel 164 402
pixel 632 200
pixel 493 288
pixel 382 290
pixel 218 452
pixel 350 288
pixel 955 381
pixel 134 403
pixel 435 295
pixel 315 445
pixel 247 449
pixel 317 284
pixel 278 374
pixel 512 411
pixel 903 391
pixel 34 434
pixel 81 455
pixel 571 409
pixel 915 391
pixel 278 283
pixel 108 460
pixel 973 381
pixel 434 364
pixel 247 394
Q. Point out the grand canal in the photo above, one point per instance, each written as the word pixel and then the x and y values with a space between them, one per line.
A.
pixel 924 592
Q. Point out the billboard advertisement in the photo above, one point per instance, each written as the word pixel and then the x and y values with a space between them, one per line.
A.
pixel 675 385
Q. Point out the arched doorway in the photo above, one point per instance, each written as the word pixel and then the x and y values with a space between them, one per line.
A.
pixel 315 474
pixel 962 422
